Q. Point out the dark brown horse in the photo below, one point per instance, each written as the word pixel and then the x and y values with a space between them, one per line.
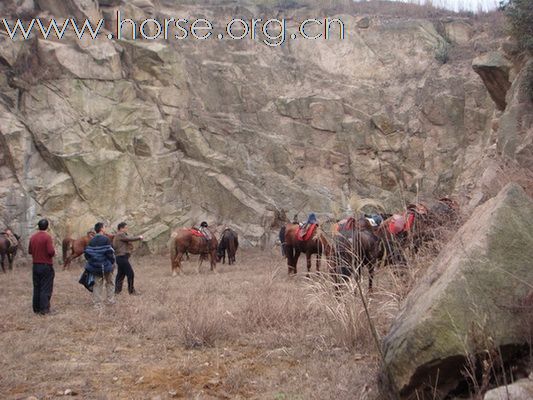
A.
pixel 73 248
pixel 186 240
pixel 229 243
pixel 8 250
pixel 357 245
pixel 292 247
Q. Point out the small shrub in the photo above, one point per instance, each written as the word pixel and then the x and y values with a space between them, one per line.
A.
pixel 519 14
pixel 203 324
pixel 442 53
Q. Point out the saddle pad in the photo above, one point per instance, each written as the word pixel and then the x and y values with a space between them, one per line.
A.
pixel 305 235
pixel 346 224
pixel 196 233
pixel 401 223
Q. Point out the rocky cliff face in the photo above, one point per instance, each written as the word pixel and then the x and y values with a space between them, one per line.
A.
pixel 167 133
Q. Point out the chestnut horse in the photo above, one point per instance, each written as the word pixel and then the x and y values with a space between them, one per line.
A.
pixel 7 250
pixel 76 247
pixel 293 247
pixel 185 241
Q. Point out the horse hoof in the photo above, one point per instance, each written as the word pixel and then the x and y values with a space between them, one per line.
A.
pixel 174 274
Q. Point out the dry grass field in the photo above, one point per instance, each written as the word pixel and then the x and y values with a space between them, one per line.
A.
pixel 247 331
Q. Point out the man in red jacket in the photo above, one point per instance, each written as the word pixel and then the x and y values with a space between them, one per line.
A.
pixel 42 251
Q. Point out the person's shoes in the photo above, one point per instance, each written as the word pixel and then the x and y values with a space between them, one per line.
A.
pixel 135 293
pixel 111 302
pixel 49 312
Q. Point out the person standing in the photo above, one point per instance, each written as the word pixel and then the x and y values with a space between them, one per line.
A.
pixel 42 251
pixel 123 246
pixel 100 258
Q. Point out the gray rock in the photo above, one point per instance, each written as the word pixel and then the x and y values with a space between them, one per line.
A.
pixel 519 390
pixel 493 68
pixel 474 290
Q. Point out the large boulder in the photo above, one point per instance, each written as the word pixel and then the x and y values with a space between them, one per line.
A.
pixel 519 390
pixel 493 68
pixel 475 293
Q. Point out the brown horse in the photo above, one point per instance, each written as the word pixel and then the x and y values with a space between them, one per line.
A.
pixel 76 247
pixel 292 246
pixel 8 250
pixel 357 245
pixel 186 241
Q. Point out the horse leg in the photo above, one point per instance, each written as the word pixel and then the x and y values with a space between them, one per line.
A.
pixel 289 254
pixel 200 260
pixel 371 268
pixel 66 262
pixel 297 253
pixel 2 262
pixel 213 260
pixel 176 264
pixel 308 260
pixel 10 259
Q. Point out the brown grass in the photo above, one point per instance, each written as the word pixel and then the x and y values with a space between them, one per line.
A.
pixel 245 332
pixel 248 331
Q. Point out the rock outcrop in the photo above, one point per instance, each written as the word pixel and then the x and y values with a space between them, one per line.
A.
pixel 519 390
pixel 473 299
pixel 171 132
pixel 494 69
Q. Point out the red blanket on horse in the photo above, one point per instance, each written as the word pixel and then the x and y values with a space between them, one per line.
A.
pixel 401 223
pixel 305 232
pixel 346 224
pixel 196 232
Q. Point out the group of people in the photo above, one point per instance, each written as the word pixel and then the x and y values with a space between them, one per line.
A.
pixel 101 255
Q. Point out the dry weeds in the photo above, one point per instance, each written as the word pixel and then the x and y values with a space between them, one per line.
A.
pixel 248 331
pixel 245 332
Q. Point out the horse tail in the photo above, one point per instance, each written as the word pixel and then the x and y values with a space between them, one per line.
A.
pixel 282 234
pixel 68 231
pixel 65 245
pixel 172 246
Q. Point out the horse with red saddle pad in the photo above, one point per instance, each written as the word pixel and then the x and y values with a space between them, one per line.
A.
pixel 311 241
pixel 193 241
pixel 305 231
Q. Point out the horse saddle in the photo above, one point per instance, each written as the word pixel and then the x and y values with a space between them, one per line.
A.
pixel 374 220
pixel 401 223
pixel 305 231
pixel 198 233
pixel 12 240
pixel 346 224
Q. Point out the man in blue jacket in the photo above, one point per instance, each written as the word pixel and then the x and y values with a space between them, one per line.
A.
pixel 100 258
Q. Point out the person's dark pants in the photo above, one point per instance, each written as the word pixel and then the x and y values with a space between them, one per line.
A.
pixel 43 285
pixel 124 270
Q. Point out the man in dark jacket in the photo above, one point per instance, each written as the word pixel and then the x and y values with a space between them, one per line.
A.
pixel 100 258
pixel 42 252
pixel 122 244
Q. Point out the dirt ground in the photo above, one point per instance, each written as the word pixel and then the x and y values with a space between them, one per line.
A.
pixel 247 331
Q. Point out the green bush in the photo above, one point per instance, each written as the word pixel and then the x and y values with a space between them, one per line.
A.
pixel 520 16
pixel 442 52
